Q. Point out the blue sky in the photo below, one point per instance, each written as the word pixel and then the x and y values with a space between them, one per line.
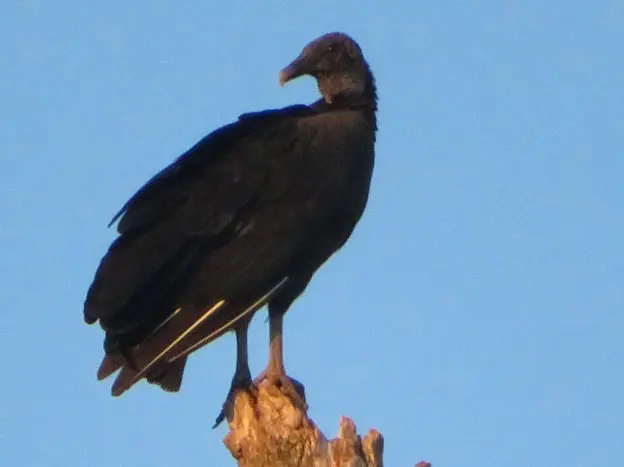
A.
pixel 475 317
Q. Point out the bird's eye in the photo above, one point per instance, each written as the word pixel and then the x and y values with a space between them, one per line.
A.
pixel 330 48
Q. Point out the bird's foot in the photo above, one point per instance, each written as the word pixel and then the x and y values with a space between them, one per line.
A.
pixel 290 387
pixel 242 383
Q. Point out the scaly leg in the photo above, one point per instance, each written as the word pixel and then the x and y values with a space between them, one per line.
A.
pixel 242 377
pixel 275 372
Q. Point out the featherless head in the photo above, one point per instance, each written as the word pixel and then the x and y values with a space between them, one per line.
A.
pixel 336 61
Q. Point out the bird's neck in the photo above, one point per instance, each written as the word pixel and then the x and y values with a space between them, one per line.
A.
pixel 342 93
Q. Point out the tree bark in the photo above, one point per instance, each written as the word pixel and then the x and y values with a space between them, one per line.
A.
pixel 268 430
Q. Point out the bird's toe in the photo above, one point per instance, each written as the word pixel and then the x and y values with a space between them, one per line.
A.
pixel 238 384
pixel 290 387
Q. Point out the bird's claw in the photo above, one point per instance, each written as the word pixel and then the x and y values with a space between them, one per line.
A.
pixel 244 384
pixel 290 387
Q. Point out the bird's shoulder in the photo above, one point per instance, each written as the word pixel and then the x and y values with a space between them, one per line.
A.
pixel 263 129
pixel 350 121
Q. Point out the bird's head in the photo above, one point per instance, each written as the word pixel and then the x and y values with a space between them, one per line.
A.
pixel 337 63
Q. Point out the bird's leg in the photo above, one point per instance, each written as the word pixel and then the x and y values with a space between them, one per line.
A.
pixel 275 372
pixel 241 381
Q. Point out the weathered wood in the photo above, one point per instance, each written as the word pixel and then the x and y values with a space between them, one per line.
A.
pixel 268 430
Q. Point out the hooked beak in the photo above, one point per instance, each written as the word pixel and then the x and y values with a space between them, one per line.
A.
pixel 292 71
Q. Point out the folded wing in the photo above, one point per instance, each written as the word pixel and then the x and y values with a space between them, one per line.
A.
pixel 182 260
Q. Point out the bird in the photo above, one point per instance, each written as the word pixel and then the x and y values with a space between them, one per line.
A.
pixel 242 220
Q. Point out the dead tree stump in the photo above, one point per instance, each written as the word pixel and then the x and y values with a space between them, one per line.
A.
pixel 268 430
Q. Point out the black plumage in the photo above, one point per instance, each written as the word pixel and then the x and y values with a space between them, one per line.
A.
pixel 242 219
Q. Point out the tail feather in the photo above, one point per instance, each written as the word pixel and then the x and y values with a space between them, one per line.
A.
pixel 162 357
pixel 155 350
pixel 167 375
pixel 110 364
pixel 125 376
pixel 171 378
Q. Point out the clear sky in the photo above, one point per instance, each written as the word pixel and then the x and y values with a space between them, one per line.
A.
pixel 476 316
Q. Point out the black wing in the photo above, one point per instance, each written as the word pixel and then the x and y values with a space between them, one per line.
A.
pixel 179 246
pixel 193 204
pixel 166 190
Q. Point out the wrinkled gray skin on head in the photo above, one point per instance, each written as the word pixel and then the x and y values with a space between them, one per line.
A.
pixel 337 63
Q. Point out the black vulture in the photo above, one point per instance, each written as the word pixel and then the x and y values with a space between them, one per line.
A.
pixel 241 220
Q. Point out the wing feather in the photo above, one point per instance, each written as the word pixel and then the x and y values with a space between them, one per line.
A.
pixel 176 233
